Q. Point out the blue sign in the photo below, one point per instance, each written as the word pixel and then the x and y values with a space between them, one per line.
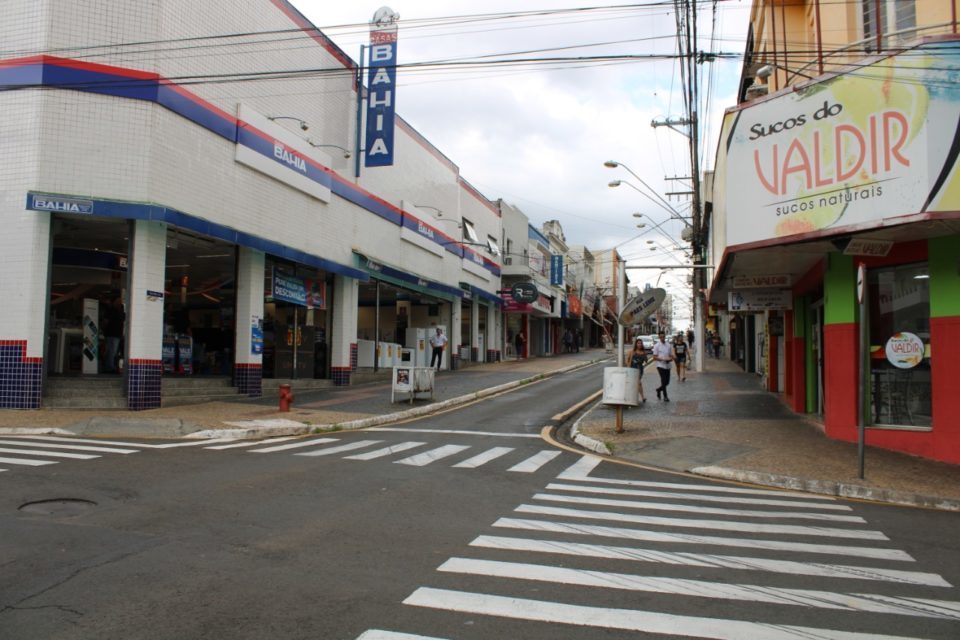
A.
pixel 256 337
pixel 289 289
pixel 381 98
pixel 556 270
pixel 60 205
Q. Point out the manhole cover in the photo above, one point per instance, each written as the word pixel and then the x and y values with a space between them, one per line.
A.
pixel 58 506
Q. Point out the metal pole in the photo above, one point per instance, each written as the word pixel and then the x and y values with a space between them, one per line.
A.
pixel 621 302
pixel 357 141
pixel 296 330
pixel 376 331
pixel 862 377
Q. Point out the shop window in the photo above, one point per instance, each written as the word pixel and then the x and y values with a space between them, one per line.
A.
pixel 899 321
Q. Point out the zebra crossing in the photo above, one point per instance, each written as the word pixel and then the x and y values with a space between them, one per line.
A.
pixel 414 453
pixel 775 565
pixel 17 451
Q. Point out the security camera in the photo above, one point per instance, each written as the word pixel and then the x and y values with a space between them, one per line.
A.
pixel 765 71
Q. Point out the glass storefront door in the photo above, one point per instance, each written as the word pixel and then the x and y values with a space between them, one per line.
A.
pixel 899 330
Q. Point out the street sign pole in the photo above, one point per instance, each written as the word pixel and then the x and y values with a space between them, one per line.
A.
pixel 862 377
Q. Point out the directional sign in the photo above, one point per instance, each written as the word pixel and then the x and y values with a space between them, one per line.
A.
pixel 524 292
pixel 644 304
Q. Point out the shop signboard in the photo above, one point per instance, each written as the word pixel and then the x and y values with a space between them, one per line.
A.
pixel 303 292
pixel 763 281
pixel 904 350
pixel 643 305
pixel 848 151
pixel 760 300
pixel 524 292
pixel 256 335
pixel 556 270
pixel 865 247
pixel 381 88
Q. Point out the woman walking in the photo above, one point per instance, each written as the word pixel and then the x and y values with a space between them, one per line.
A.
pixel 637 359
pixel 680 357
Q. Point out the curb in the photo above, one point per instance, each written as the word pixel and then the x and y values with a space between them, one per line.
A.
pixel 830 488
pixel 585 441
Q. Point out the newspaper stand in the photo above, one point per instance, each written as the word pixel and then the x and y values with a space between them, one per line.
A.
pixel 620 389
pixel 411 380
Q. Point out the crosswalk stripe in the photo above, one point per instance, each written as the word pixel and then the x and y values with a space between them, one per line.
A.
pixel 295 445
pixel 84 440
pixel 26 462
pixel 723 525
pixel 378 634
pixel 360 444
pixel 483 458
pixel 49 454
pixel 194 443
pixel 872 603
pixel 687 538
pixel 712 561
pixel 580 469
pixel 458 432
pixel 425 458
pixel 677 495
pixel 250 443
pixel 72 447
pixel 386 451
pixel 534 462
pixel 690 508
pixel 641 621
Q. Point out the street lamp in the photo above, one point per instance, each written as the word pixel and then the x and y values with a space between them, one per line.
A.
pixel 613 164
pixel 346 152
pixel 303 125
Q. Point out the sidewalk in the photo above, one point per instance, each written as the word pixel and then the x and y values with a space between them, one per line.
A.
pixel 720 424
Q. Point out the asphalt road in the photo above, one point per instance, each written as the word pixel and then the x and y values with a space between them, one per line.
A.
pixel 463 526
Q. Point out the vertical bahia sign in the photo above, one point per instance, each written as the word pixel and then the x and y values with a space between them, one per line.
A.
pixel 381 88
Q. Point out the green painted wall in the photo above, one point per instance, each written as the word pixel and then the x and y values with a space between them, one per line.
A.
pixel 944 261
pixel 840 290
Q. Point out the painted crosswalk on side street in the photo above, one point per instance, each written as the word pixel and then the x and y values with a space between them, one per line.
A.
pixel 413 453
pixel 42 451
pixel 710 560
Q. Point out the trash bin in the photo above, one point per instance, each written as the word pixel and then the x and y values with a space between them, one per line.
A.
pixel 620 386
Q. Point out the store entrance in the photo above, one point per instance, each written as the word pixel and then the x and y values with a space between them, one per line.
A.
pixel 391 319
pixel 200 302
pixel 86 325
pixel 296 317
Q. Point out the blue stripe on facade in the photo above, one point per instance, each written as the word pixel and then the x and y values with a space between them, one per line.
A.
pixel 182 102
pixel 266 147
pixel 159 213
pixel 375 268
pixel 480 293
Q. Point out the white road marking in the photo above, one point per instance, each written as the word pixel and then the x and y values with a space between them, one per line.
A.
pixel 72 447
pixel 25 462
pixel 458 432
pixel 378 634
pixel 688 538
pixel 873 603
pixel 534 462
pixel 677 495
pixel 250 443
pixel 690 508
pixel 433 455
pixel 483 458
pixel 195 443
pixel 386 451
pixel 295 445
pixel 723 525
pixel 84 440
pixel 580 470
pixel 642 621
pixel 712 561
pixel 360 444
pixel 50 454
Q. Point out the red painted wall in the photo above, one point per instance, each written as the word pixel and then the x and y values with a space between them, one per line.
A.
pixel 840 381
pixel 943 443
pixel 788 356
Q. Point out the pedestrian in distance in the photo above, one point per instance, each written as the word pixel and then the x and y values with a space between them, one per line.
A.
pixel 663 355
pixel 568 341
pixel 637 359
pixel 717 344
pixel 437 341
pixel 680 356
pixel 518 342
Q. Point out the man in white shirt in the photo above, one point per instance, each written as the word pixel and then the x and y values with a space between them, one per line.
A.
pixel 438 341
pixel 663 355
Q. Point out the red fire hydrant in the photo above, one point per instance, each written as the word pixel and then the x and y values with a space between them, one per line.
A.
pixel 286 397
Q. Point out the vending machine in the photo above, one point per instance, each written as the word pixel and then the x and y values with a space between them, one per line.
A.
pixel 416 340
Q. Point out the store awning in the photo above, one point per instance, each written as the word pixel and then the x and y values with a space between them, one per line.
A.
pixel 483 295
pixel 396 276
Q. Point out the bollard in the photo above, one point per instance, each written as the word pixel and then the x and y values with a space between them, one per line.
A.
pixel 286 397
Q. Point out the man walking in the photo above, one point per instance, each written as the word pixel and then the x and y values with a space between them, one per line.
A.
pixel 663 355
pixel 438 341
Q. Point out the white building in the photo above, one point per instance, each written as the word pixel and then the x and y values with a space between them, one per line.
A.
pixel 210 191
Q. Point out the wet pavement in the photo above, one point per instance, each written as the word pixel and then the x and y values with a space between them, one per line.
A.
pixel 719 424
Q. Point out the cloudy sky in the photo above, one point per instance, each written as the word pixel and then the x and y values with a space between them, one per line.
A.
pixel 538 135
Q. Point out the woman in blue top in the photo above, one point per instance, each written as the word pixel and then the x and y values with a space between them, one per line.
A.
pixel 637 359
